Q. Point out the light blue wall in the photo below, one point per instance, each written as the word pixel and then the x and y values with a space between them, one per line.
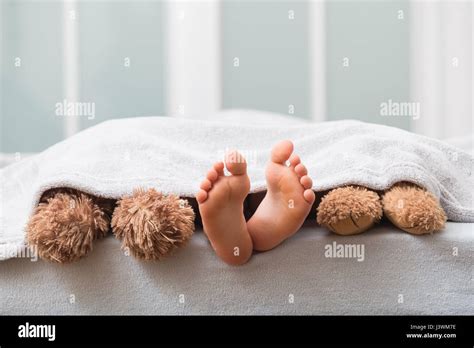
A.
pixel 32 32
pixel 273 72
pixel 273 56
pixel 274 66
pixel 110 32
pixel 376 42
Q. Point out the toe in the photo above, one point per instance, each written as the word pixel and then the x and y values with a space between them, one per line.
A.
pixel 306 182
pixel 282 151
pixel 309 196
pixel 219 168
pixel 294 160
pixel 201 196
pixel 212 175
pixel 301 170
pixel 206 185
pixel 235 163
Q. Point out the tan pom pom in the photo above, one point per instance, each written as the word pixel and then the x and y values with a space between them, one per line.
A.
pixel 349 210
pixel 344 202
pixel 63 226
pixel 413 209
pixel 152 225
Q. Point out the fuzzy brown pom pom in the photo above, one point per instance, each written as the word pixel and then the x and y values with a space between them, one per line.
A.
pixel 64 225
pixel 413 209
pixel 349 210
pixel 152 225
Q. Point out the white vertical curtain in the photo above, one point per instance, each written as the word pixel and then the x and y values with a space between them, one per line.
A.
pixel 442 67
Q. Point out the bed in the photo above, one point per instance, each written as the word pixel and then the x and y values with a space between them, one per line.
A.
pixel 397 273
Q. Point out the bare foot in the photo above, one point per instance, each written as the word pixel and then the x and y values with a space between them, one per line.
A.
pixel 288 200
pixel 221 201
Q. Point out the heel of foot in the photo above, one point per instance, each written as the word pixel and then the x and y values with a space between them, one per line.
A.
pixel 413 209
pixel 349 210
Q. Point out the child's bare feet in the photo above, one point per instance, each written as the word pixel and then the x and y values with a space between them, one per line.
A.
pixel 288 200
pixel 221 201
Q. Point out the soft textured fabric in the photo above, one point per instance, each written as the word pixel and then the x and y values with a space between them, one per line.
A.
pixel 465 142
pixel 400 274
pixel 173 155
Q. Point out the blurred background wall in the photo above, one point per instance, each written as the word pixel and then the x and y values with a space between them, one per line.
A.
pixel 139 58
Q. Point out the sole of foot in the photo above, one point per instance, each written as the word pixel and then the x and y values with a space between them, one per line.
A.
pixel 221 198
pixel 288 200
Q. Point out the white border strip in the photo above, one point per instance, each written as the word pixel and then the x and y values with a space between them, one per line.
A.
pixel 193 57
pixel 441 32
pixel 317 54
pixel 425 77
pixel 71 64
pixel 457 63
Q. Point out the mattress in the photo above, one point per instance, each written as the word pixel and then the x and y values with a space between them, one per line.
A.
pixel 398 274
pixel 383 271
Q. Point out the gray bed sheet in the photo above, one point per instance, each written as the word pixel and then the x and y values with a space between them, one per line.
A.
pixel 398 274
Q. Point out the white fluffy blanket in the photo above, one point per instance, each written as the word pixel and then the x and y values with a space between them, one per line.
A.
pixel 173 155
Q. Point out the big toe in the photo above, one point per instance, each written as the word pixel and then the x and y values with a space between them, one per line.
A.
pixel 282 151
pixel 235 163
